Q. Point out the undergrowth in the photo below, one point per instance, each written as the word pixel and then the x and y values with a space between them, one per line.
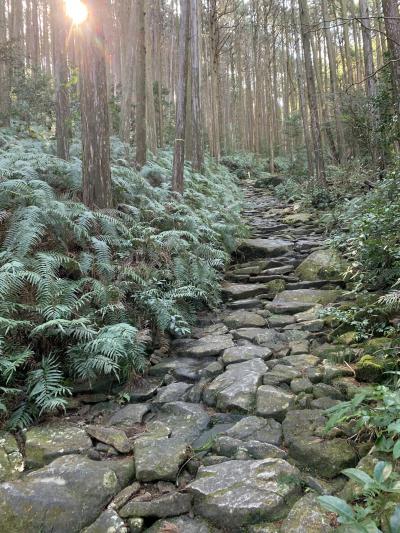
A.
pixel 78 287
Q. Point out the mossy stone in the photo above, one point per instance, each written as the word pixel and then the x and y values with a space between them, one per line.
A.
pixel 275 286
pixel 369 369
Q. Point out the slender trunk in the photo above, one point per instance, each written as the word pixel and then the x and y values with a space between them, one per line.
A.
pixel 197 134
pixel 141 129
pixel 179 152
pixel 94 109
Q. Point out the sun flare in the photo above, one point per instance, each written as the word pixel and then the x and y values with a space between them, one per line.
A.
pixel 76 10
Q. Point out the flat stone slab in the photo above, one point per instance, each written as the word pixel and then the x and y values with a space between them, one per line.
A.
pixel 186 420
pixel 66 495
pixel 172 393
pixel 210 345
pixel 129 415
pixel 236 494
pixel 112 436
pixel 45 443
pixel 255 428
pixel 309 296
pixel 172 504
pixel 159 458
pixel 242 291
pixel 244 319
pixel 109 521
pixel 273 402
pixel 239 354
pixel 183 524
pixel 253 248
pixel 182 368
pixel 307 516
pixel 236 387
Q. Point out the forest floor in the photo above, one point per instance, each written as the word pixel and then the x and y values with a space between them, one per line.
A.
pixel 226 432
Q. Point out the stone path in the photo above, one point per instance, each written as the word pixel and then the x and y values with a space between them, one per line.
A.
pixel 227 431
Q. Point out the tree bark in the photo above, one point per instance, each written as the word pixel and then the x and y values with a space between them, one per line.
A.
pixel 179 152
pixel 96 170
pixel 197 134
pixel 141 129
pixel 392 25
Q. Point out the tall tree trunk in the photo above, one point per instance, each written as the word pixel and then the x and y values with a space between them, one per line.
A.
pixel 392 25
pixel 5 71
pixel 197 134
pixel 128 72
pixel 59 41
pixel 179 152
pixel 141 129
pixel 96 172
pixel 312 94
pixel 370 81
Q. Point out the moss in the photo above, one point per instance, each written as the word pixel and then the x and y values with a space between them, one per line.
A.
pixel 275 286
pixel 369 369
pixel 350 337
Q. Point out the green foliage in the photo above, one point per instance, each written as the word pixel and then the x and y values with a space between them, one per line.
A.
pixel 371 236
pixel 375 414
pixel 376 505
pixel 77 286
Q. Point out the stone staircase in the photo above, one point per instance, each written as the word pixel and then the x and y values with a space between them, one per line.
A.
pixel 226 433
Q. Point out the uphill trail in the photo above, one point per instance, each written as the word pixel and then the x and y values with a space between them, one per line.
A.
pixel 226 432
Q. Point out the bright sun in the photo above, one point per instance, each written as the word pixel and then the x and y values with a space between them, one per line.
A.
pixel 76 10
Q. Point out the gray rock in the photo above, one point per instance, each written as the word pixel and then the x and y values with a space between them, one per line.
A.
pixel 45 443
pixel 273 402
pixel 11 459
pixel 183 524
pixel 300 361
pixel 326 458
pixel 172 504
pixel 311 296
pixel 236 387
pixel 210 345
pixel 239 354
pixel 256 428
pixel 136 525
pixel 213 369
pixel 281 374
pixel 185 420
pixel 238 493
pixel 307 516
pixel 144 389
pixel 111 436
pixel 182 368
pixel 229 447
pixel 323 403
pixel 301 385
pixel 108 522
pixel 321 390
pixel 321 264
pixel 254 248
pixel 64 496
pixel 279 321
pixel 244 319
pixel 172 393
pixel 242 291
pixel 159 459
pixel 129 415
pixel 125 495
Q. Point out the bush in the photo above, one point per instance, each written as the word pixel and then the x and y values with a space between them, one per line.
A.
pixel 77 286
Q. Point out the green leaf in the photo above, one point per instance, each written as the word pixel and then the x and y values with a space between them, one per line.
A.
pixel 358 475
pixel 338 506
pixel 394 521
pixel 382 471
pixel 396 450
pixel 394 427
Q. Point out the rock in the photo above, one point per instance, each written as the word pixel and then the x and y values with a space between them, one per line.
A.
pixel 45 443
pixel 255 428
pixel 236 494
pixel 185 420
pixel 108 522
pixel 264 528
pixel 299 347
pixel 300 361
pixel 275 285
pixel 182 368
pixel 183 524
pixel 281 374
pixel 129 415
pixel 229 447
pixel 159 459
pixel 244 319
pixel 172 393
pixel 236 387
pixel 289 307
pixel 213 329
pixel 265 247
pixel 66 495
pixel 210 345
pixel 112 436
pixel 321 264
pixel 298 218
pixel 310 296
pixel 144 389
pixel 238 291
pixel 172 504
pixel 279 321
pixel 273 402
pixel 11 459
pixel 248 334
pixel 307 516
pixel 136 525
pixel 323 403
pixel 239 354
pixel 348 338
pixel 322 389
pixel 370 369
pixel 301 385
pixel 125 495
pixel 326 458
pixel 250 303
pixel 213 369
